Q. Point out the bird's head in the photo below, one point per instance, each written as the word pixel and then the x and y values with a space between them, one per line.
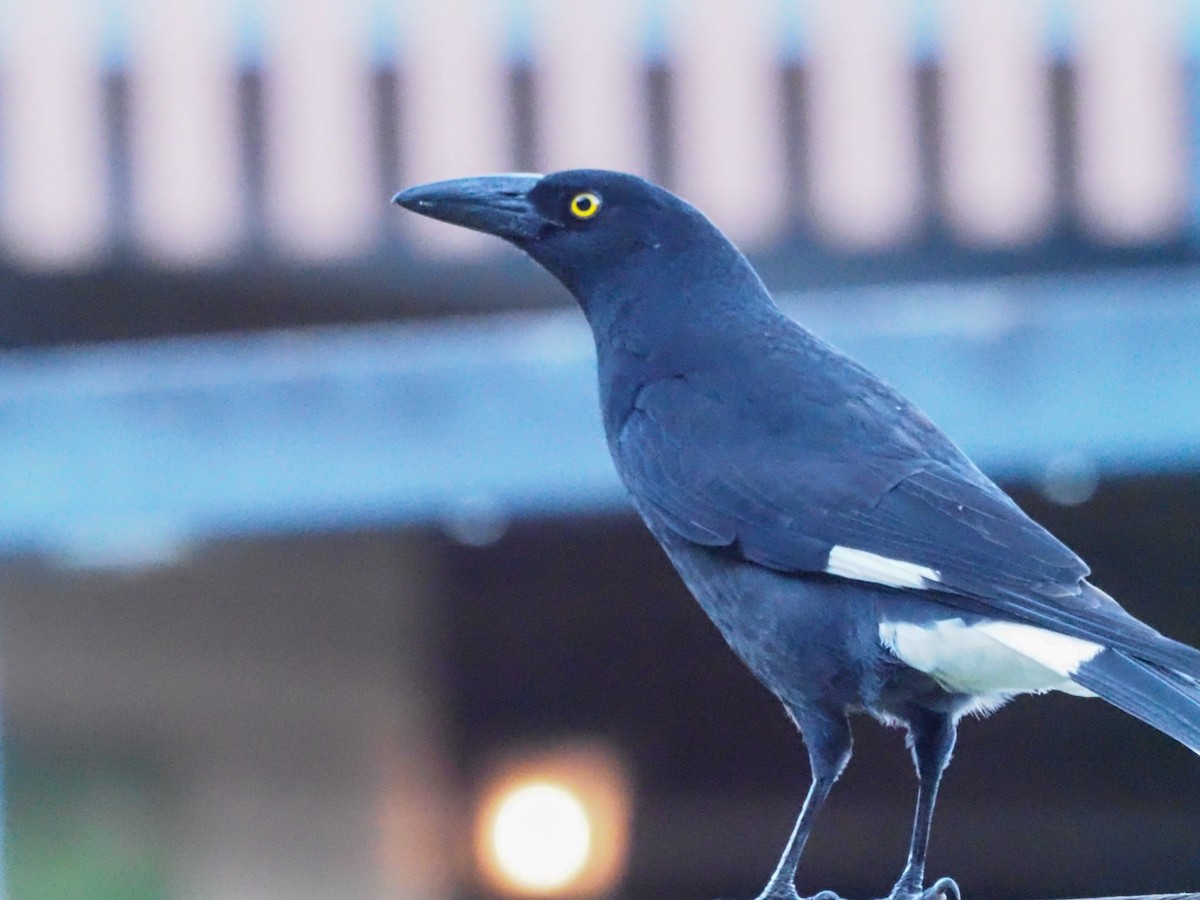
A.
pixel 601 233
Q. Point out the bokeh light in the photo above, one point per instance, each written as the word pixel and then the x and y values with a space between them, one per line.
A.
pixel 541 836
pixel 554 823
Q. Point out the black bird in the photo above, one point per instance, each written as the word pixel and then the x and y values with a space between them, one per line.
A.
pixel 847 550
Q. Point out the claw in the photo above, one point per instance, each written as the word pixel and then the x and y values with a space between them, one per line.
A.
pixel 942 889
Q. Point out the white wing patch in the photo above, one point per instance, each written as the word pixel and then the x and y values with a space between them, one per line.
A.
pixel 991 657
pixel 863 566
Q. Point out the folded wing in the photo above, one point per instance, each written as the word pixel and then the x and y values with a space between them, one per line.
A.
pixel 861 486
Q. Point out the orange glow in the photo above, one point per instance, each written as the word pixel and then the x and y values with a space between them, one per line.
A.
pixel 554 823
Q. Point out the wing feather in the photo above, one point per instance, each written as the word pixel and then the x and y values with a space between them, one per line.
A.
pixel 783 490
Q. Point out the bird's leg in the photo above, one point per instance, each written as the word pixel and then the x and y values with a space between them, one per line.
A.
pixel 828 751
pixel 782 884
pixel 932 736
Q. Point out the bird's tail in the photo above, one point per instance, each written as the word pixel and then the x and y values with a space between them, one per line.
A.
pixel 1166 699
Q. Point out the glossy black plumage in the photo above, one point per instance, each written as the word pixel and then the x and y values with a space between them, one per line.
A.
pixel 848 551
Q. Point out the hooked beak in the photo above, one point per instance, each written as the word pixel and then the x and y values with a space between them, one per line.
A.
pixel 493 204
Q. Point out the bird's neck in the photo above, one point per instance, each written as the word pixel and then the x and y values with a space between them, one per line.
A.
pixel 655 324
pixel 646 307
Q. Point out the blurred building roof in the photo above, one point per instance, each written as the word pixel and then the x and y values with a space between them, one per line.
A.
pixel 214 169
pixel 131 449
pixel 836 142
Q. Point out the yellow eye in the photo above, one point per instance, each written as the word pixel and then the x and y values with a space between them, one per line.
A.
pixel 585 205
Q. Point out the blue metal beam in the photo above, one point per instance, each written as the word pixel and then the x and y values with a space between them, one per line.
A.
pixel 125 452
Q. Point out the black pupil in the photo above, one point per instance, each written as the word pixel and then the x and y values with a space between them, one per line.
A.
pixel 583 203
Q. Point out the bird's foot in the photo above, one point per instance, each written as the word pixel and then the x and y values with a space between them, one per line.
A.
pixel 942 889
pixel 787 892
